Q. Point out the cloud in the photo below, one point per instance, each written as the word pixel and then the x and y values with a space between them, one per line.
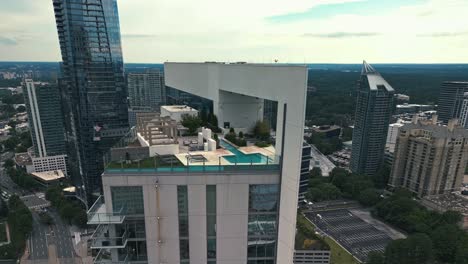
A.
pixel 444 34
pixel 139 36
pixel 8 41
pixel 336 35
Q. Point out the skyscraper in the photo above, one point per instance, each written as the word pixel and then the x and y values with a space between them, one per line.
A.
pixel 93 85
pixel 218 205
pixel 146 89
pixel 451 99
pixel 430 159
pixel 45 117
pixel 373 112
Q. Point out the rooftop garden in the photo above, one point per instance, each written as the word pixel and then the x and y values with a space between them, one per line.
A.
pixel 150 162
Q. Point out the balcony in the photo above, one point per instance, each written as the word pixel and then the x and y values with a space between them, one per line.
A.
pixel 104 257
pixel 98 214
pixel 101 238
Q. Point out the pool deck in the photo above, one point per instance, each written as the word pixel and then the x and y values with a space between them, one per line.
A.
pixel 213 157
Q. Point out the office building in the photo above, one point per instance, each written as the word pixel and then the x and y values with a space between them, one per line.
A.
pixel 229 205
pixel 451 99
pixel 393 134
pixel 464 111
pixel 92 85
pixel 373 111
pixel 45 117
pixel 177 111
pixel 133 112
pixel 43 104
pixel 146 89
pixel 430 159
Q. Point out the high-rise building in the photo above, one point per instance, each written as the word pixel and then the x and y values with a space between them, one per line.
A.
pixel 373 111
pixel 464 111
pixel 213 205
pixel 45 116
pixel 146 89
pixel 43 104
pixel 92 84
pixel 451 99
pixel 430 159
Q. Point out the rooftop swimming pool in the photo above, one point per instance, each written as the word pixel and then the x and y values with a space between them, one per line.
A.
pixel 240 157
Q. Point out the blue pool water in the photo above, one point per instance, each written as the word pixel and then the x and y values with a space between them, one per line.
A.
pixel 240 157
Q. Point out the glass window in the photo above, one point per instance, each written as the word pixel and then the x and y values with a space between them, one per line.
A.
pixel 184 249
pixel 127 199
pixel 263 198
pixel 182 201
pixel 211 221
pixel 211 248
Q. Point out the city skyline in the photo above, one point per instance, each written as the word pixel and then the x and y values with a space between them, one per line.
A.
pixel 333 31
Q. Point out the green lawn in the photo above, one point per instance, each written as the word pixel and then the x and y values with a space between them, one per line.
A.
pixel 338 254
pixel 3 235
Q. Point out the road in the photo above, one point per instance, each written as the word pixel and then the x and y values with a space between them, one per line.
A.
pixel 61 237
pixel 38 240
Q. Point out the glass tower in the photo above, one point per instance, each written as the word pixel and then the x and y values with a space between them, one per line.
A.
pixel 451 100
pixel 45 118
pixel 373 111
pixel 93 86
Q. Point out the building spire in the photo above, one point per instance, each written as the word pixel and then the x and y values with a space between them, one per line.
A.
pixel 367 69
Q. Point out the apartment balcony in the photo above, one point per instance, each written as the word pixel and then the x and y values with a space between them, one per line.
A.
pixel 98 214
pixel 102 238
pixel 104 257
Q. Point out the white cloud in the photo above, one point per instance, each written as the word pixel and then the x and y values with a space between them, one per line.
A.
pixel 184 30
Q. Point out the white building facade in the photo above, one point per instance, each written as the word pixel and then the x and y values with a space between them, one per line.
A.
pixel 223 214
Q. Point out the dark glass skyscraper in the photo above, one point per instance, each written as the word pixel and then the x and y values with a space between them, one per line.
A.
pixel 45 117
pixel 93 85
pixel 451 100
pixel 373 111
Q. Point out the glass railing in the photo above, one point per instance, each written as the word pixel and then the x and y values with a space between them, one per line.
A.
pixel 101 238
pixel 104 256
pixel 127 156
pixel 98 214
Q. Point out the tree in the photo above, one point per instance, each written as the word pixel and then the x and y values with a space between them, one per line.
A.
pixel 8 164
pixel 262 130
pixel 461 255
pixel 67 212
pixel 191 122
pixel 21 109
pixel 452 217
pixel 323 192
pixel 375 258
pixel 241 135
pixel 316 172
pixel 381 177
pixel 369 197
pixel 445 239
pixel 416 248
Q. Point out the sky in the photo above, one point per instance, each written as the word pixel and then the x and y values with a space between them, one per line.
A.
pixel 290 31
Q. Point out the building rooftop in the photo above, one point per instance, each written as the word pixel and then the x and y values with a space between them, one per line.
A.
pixel 374 78
pixel 325 128
pixel 48 176
pixel 23 159
pixel 451 201
pixel 178 108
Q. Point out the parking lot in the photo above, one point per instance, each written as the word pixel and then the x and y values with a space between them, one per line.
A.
pixel 354 234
